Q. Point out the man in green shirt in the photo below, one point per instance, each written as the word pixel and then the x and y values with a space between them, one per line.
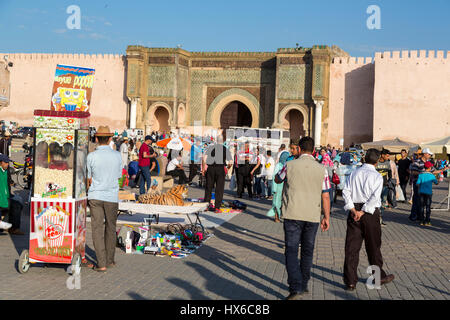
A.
pixel 5 190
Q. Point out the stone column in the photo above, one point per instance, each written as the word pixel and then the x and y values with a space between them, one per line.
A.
pixel 317 122
pixel 133 114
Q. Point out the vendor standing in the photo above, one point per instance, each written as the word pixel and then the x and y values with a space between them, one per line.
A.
pixel 104 168
pixel 145 153
pixel 216 159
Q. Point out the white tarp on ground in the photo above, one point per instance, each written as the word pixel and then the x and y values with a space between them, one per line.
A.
pixel 172 214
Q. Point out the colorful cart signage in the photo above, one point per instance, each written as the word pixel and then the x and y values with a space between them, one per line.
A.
pixel 58 229
pixel 72 88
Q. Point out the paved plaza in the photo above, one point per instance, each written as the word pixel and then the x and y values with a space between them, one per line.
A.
pixel 245 260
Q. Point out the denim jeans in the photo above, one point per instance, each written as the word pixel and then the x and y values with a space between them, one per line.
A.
pixel 257 187
pixel 268 188
pixel 145 178
pixel 416 207
pixel 298 232
pixel 425 213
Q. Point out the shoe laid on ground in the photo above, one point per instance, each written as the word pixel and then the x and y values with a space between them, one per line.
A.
pixel 428 224
pixel 387 279
pixel 350 287
pixel 16 232
pixel 422 223
pixel 294 296
pixel 382 223
pixel 5 225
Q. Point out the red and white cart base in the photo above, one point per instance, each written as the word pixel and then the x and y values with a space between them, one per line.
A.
pixel 57 232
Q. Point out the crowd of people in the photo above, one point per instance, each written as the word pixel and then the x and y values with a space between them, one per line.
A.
pixel 299 180
pixel 252 169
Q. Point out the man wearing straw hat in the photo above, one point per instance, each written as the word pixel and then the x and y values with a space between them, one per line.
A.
pixel 104 167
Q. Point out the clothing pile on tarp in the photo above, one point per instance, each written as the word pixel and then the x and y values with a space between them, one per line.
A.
pixel 235 206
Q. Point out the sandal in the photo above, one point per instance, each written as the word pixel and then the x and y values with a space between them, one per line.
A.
pixel 99 270
pixel 86 264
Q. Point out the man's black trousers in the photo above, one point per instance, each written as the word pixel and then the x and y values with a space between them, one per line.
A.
pixel 215 178
pixel 244 180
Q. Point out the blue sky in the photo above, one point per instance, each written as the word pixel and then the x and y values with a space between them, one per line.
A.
pixel 109 26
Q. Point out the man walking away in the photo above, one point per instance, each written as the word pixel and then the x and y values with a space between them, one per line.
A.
pixel 216 159
pixel 306 185
pixel 403 171
pixel 104 168
pixel 362 196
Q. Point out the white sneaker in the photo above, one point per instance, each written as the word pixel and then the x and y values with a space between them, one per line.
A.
pixel 5 225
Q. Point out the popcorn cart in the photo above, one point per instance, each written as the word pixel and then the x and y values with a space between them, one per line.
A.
pixel 59 198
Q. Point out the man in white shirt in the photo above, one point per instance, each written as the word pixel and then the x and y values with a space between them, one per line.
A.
pixel 175 169
pixel 124 152
pixel 362 196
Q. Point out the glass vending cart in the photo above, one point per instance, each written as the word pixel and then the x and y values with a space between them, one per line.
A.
pixel 59 198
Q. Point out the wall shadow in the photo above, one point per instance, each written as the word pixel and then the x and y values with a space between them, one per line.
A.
pixel 358 106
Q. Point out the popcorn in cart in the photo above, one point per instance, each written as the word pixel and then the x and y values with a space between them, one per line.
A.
pixel 59 199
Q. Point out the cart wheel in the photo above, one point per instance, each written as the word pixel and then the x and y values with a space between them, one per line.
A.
pixel 24 262
pixel 75 267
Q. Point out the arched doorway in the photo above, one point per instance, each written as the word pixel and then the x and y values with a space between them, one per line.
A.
pixel 235 114
pixel 162 119
pixel 294 123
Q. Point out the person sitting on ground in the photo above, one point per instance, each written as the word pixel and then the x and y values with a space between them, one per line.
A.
pixel 175 169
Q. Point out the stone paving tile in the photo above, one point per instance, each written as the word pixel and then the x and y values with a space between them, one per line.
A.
pixel 245 260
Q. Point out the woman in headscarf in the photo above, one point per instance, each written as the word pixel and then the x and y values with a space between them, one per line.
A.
pixel 277 189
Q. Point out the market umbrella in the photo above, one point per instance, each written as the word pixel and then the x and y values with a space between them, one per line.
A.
pixel 175 144
pixel 395 145
pixel 437 146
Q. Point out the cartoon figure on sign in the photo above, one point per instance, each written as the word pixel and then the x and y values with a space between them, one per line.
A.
pixel 69 99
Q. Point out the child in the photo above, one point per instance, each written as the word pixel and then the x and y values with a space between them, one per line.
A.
pixel 425 182
pixel 270 167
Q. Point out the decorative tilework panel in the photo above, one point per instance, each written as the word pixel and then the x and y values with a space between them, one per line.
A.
pixel 161 81
pixel 318 80
pixel 133 79
pixel 291 81
pixel 182 83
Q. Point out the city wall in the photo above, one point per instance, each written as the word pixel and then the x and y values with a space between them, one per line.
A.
pixel 351 100
pixel 32 76
pixel 412 95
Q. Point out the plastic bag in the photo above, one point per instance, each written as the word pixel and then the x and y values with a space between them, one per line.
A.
pixel 233 182
pixel 399 193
